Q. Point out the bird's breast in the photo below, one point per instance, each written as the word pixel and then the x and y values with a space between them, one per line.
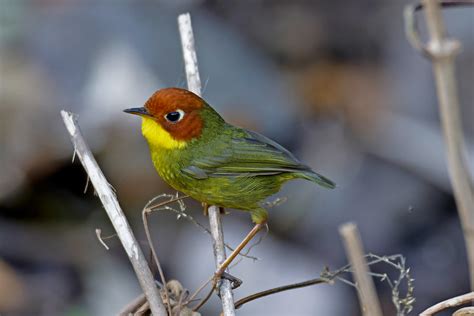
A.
pixel 168 164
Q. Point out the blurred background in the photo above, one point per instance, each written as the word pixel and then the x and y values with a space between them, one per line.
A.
pixel 336 82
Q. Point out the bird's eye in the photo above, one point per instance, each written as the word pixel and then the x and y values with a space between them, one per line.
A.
pixel 174 116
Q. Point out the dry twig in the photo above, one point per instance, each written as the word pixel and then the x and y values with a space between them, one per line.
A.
pixel 134 305
pixel 116 215
pixel 164 206
pixel 279 289
pixel 442 51
pixel 452 302
pixel 368 299
pixel 145 213
pixel 194 85
pixel 403 304
pixel 465 311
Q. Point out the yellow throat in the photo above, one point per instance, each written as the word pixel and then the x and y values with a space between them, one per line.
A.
pixel 158 136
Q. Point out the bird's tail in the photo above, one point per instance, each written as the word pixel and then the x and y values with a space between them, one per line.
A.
pixel 317 178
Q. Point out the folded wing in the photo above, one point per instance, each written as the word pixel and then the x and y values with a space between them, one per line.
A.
pixel 249 154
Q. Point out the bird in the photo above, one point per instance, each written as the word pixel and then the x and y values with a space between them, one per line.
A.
pixel 198 153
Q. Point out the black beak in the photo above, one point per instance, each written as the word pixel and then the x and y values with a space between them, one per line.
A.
pixel 137 111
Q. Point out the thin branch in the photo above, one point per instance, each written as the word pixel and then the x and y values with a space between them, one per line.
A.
pixel 204 300
pixel 411 29
pixel 403 304
pixel 368 299
pixel 182 214
pixel 116 215
pixel 449 4
pixel 442 51
pixel 145 213
pixel 133 305
pixel 199 289
pixel 224 285
pixel 189 53
pixel 279 289
pixel 465 311
pixel 452 302
pixel 194 85
pixel 164 206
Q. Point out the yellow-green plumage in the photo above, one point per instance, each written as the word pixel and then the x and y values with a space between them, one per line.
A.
pixel 224 165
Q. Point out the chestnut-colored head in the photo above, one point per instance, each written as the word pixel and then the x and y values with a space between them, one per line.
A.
pixel 171 117
pixel 177 111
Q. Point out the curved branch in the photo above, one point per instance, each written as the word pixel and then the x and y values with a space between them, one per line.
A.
pixel 452 302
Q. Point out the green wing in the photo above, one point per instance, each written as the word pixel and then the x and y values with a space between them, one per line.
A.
pixel 249 154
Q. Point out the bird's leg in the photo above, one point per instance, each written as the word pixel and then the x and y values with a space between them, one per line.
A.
pixel 239 248
pixel 234 282
pixel 205 208
pixel 222 211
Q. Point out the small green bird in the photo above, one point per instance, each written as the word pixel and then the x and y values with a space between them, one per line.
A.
pixel 196 152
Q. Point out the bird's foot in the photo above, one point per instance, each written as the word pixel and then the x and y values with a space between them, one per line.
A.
pixel 234 281
pixel 222 211
pixel 205 208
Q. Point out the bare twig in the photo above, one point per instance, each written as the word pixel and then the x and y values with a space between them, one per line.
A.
pixel 145 213
pixel 442 51
pixel 452 302
pixel 465 311
pixel 225 286
pixel 368 299
pixel 402 304
pixel 116 215
pixel 194 85
pixel 189 53
pixel 133 305
pixel 204 300
pixel 411 29
pixel 162 206
pixel 154 206
pixel 279 289
pixel 246 253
